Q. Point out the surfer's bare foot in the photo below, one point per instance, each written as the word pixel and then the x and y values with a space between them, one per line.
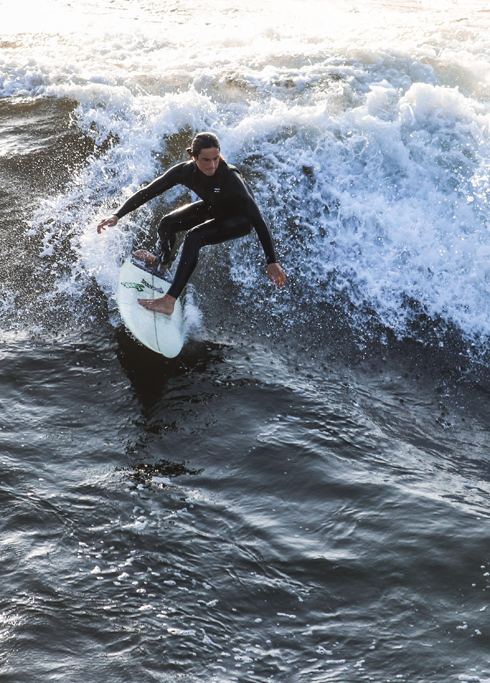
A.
pixel 164 304
pixel 148 258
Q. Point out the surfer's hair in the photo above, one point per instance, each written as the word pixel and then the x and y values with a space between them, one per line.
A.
pixel 202 141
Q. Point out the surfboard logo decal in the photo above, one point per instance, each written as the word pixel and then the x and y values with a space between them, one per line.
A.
pixel 155 289
pixel 133 285
pixel 140 286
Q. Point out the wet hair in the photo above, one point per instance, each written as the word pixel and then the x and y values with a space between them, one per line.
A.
pixel 202 141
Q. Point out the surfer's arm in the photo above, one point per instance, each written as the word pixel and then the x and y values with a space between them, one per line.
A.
pixel 239 190
pixel 251 210
pixel 172 177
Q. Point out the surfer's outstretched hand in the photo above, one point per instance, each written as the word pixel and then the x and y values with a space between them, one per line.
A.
pixel 276 274
pixel 164 304
pixel 110 222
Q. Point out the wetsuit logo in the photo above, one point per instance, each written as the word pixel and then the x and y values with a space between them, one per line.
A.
pixel 217 189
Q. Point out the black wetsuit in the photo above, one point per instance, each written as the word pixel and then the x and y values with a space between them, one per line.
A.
pixel 227 211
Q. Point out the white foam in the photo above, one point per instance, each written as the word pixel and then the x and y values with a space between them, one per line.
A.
pixel 384 126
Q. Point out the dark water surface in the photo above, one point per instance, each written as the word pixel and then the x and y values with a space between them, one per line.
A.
pixel 319 530
pixel 264 507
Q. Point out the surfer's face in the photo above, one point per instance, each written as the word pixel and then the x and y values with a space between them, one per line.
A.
pixel 208 160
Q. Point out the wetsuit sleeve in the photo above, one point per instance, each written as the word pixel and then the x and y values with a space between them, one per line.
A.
pixel 172 177
pixel 239 191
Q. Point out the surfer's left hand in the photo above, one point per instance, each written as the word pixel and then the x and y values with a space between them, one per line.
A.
pixel 276 274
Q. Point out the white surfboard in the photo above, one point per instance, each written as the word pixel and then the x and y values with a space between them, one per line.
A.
pixel 161 333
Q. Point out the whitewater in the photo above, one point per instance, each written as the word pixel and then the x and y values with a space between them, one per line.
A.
pixel 368 138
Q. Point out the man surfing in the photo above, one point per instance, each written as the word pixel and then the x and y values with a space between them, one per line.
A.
pixel 227 211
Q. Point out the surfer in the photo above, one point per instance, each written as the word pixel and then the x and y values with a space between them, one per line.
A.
pixel 227 211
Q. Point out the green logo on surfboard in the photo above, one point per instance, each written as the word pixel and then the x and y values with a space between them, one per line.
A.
pixel 133 285
pixel 141 286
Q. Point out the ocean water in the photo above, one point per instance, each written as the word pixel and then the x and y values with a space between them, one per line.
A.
pixel 301 495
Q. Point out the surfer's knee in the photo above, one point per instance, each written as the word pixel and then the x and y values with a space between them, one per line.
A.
pixel 165 225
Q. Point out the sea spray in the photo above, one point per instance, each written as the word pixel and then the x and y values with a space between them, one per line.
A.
pixel 367 149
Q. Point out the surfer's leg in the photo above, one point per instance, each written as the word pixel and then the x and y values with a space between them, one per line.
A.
pixel 180 220
pixel 212 232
